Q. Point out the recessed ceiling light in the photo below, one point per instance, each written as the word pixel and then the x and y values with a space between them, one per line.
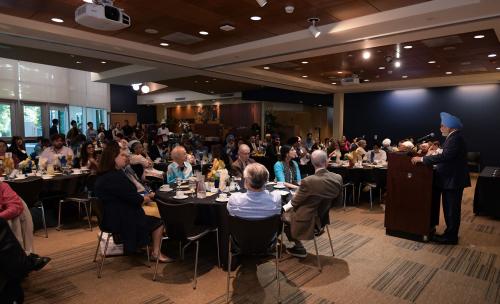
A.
pixel 57 20
pixel 334 83
pixel 432 61
pixel 204 33
pixel 305 62
pixel 367 55
pixel 397 64
pixel 479 36
pixel 404 76
pixel 449 73
pixel 256 18
pixel 408 47
pixel 88 1
pixel 340 72
pixel 207 81
pixel 78 62
pixel 366 80
pixel 164 44
pixel 381 68
pixel 151 31
pixel 103 62
pixel 498 68
pixel 145 89
pixel 304 76
pixel 492 55
pixel 266 68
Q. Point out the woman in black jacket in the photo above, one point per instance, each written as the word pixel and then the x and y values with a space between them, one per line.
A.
pixel 17 148
pixel 123 213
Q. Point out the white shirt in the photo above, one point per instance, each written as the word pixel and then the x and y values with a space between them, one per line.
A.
pixel 254 205
pixel 378 157
pixel 51 156
pixel 163 133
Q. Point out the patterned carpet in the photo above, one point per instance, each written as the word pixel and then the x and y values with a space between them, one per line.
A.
pixel 368 267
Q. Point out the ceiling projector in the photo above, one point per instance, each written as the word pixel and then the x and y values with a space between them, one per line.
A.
pixel 102 15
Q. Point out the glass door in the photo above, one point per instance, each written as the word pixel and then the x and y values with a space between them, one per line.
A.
pixel 60 113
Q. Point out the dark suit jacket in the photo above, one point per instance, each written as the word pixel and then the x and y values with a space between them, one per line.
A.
pixel 315 196
pixel 123 213
pixel 154 152
pixel 452 171
pixel 237 167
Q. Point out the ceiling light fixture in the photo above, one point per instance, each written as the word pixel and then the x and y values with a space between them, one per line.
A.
pixel 431 62
pixel 289 9
pixel 57 20
pixel 262 3
pixel 88 1
pixel 304 76
pixel 136 86
pixel 339 72
pixel 478 36
pixel 381 68
pixel 334 83
pixel 151 31
pixel 498 68
pixel 366 55
pixel 366 80
pixel 397 64
pixel 305 62
pixel 164 44
pixel 256 18
pixel 312 28
pixel 266 68
pixel 78 62
pixel 103 62
pixel 145 89
pixel 404 76
pixel 492 55
pixel 204 33
pixel 449 73
pixel 408 47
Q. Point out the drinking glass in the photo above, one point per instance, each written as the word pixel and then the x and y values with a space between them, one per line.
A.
pixel 192 188
pixel 179 181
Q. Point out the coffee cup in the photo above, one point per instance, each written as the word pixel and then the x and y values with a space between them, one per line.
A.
pixel 179 194
pixel 280 184
pixel 223 196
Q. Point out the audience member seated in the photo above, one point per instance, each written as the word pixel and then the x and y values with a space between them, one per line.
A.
pixel 41 144
pixel 313 198
pixel 257 202
pixel 16 212
pixel 309 142
pixel 3 148
pixel 88 157
pixel 253 144
pixel 157 150
pixel 123 212
pixel 344 145
pixel 286 169
pixel 17 149
pixel 91 133
pixel 180 167
pixel 15 265
pixel 435 148
pixel 334 152
pixel 117 130
pixel 405 146
pixel 386 145
pixel 361 148
pixel 139 157
pixel 377 155
pixel 243 160
pixel 230 150
pixel 52 154
pixel 353 155
pixel 128 131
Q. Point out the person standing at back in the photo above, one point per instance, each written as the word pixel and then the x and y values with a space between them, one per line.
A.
pixel 54 129
pixel 452 175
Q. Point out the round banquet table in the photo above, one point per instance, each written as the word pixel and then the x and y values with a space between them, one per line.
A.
pixel 359 175
pixel 210 212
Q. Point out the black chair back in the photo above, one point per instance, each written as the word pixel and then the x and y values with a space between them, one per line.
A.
pixel 474 157
pixel 90 182
pixel 254 237
pixel 28 190
pixel 138 169
pixel 179 219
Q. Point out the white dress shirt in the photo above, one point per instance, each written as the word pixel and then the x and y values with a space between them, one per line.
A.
pixel 254 205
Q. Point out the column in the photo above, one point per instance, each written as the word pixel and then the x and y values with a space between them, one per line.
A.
pixel 338 115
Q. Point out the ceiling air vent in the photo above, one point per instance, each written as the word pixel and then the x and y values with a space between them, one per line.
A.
pixel 181 38
pixel 180 98
pixel 226 95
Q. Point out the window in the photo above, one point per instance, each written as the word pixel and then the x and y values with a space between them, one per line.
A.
pixel 96 116
pixel 32 121
pixel 5 122
pixel 61 114
pixel 76 114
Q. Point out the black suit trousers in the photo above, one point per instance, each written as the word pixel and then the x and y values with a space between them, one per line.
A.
pixel 452 206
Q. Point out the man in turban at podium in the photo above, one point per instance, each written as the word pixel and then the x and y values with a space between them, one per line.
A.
pixel 452 175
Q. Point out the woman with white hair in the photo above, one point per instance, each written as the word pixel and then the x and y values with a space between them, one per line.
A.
pixel 386 145
pixel 180 167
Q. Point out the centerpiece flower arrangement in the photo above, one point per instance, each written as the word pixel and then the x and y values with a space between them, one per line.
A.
pixel 26 165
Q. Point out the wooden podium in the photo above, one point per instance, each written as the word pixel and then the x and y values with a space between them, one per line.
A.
pixel 410 211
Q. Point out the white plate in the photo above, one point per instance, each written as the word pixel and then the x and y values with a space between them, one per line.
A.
pixel 180 197
pixel 279 187
pixel 47 176
pixel 283 192
pixel 270 183
pixel 20 177
pixel 165 189
pixel 221 200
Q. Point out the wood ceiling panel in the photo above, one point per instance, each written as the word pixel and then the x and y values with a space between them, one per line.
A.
pixel 466 55
pixel 208 85
pixel 192 16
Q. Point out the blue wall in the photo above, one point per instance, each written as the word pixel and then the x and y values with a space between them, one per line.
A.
pixel 415 113
pixel 124 100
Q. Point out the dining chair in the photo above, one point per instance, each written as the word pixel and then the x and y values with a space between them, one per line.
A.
pixel 254 237
pixel 80 191
pixel 180 224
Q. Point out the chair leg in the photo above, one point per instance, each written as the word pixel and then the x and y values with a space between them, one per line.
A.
pixel 345 194
pixel 99 271
pixel 98 245
pixel 380 194
pixel 180 251
pixel 196 265
pixel 371 201
pixel 157 261
pixel 278 274
pixel 359 191
pixel 59 216
pixel 281 237
pixel 353 194
pixel 329 239
pixel 317 254
pixel 218 250
pixel 147 253
pixel 43 220
pixel 229 260
pixel 88 215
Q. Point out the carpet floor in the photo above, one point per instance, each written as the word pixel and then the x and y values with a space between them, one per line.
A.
pixel 368 267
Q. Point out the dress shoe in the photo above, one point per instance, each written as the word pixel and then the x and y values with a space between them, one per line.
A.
pixel 39 262
pixel 440 239
pixel 297 251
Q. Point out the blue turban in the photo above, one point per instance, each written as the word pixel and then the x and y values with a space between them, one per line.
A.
pixel 450 121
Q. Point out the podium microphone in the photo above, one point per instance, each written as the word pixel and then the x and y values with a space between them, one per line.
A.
pixel 426 137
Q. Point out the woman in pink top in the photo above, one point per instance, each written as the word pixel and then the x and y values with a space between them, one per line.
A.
pixel 11 205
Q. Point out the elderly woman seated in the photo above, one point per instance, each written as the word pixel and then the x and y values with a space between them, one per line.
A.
pixel 180 167
pixel 139 157
pixel 406 146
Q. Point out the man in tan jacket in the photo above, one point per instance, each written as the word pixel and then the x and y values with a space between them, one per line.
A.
pixel 312 202
pixel 239 165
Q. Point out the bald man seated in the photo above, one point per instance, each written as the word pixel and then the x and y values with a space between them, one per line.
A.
pixel 242 162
